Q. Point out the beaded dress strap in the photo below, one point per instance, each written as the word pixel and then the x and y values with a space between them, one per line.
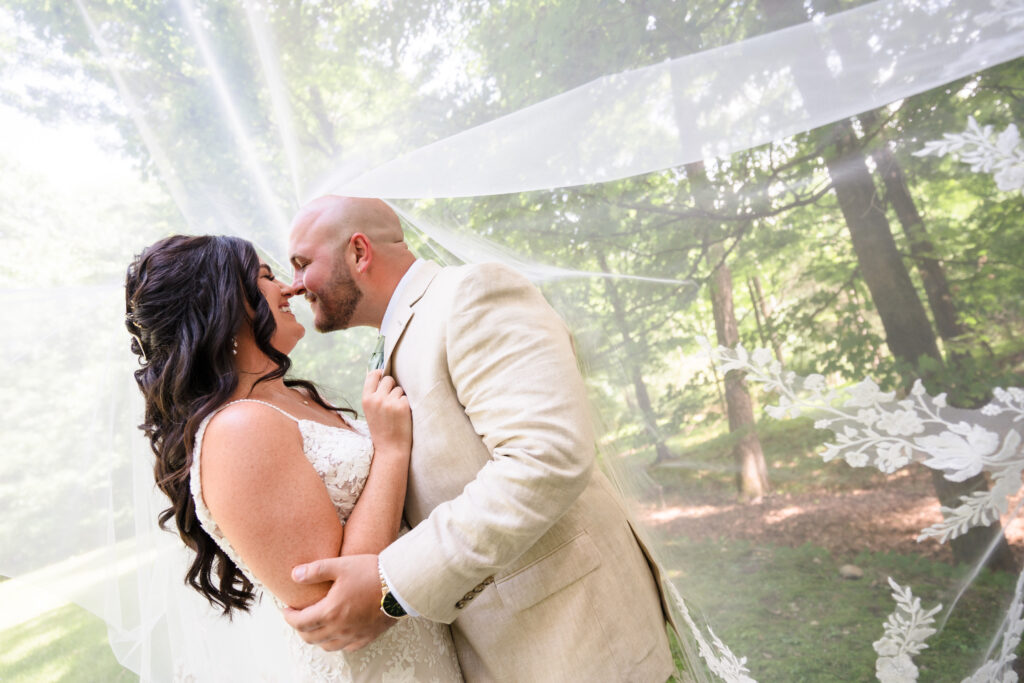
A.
pixel 256 400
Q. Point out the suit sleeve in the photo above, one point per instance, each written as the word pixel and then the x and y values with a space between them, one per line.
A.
pixel 513 367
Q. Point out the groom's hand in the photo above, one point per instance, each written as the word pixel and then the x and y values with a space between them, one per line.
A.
pixel 349 616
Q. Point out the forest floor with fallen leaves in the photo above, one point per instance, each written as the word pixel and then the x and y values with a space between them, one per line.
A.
pixel 884 518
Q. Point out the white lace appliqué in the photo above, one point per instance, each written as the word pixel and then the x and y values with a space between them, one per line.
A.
pixel 906 629
pixel 1001 155
pixel 344 477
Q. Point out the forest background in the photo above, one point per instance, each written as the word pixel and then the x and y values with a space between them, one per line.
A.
pixel 841 250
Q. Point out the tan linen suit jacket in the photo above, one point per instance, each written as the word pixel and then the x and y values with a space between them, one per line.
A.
pixel 517 540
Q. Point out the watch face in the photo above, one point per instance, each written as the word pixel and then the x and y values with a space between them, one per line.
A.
pixel 391 606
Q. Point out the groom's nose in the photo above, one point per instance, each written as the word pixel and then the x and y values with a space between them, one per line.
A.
pixel 296 288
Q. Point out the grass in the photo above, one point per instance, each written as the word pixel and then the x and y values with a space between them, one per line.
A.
pixel 788 611
pixel 67 645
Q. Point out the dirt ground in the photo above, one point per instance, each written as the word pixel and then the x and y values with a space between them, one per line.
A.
pixel 882 519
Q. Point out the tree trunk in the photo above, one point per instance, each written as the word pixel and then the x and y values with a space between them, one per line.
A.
pixel 962 371
pixel 940 300
pixel 633 368
pixel 764 316
pixel 751 470
pixel 755 301
pixel 908 331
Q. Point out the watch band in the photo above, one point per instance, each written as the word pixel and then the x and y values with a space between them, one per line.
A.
pixel 389 604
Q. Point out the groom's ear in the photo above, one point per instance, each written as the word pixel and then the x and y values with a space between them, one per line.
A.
pixel 361 252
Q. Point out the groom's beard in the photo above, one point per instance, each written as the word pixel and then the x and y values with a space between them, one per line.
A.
pixel 337 303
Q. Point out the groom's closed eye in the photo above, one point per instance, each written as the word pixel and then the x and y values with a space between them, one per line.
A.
pixel 298 268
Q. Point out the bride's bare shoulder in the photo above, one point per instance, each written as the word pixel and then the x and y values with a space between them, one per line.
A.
pixel 245 415
pixel 251 430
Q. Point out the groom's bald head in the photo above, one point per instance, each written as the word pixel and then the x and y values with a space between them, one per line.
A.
pixel 348 254
pixel 335 219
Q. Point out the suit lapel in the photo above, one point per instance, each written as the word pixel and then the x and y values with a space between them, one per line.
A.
pixel 404 308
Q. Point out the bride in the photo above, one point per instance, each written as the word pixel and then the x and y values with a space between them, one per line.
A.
pixel 263 474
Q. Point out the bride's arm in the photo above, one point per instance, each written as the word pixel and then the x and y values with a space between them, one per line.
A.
pixel 267 499
pixel 274 509
pixel 377 516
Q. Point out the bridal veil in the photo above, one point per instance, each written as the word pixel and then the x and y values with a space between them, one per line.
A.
pixel 788 237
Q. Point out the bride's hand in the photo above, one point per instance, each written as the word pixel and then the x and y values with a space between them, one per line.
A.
pixel 387 414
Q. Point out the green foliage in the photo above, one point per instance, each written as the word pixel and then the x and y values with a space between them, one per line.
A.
pixel 366 73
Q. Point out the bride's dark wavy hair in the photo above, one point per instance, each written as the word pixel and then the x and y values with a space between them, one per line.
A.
pixel 185 300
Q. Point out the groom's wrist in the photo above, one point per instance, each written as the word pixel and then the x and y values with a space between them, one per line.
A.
pixel 388 593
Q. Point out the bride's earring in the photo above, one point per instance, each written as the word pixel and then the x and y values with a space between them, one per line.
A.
pixel 234 346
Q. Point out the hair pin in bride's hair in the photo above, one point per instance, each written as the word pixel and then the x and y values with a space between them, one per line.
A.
pixel 142 349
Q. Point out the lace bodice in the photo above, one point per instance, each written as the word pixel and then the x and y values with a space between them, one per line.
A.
pixel 412 650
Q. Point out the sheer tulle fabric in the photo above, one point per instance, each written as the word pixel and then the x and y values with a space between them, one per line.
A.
pixel 742 173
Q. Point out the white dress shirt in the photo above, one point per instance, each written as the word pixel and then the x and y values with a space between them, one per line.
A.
pixel 390 310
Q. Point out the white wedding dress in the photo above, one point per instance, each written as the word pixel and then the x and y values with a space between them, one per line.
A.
pixel 414 649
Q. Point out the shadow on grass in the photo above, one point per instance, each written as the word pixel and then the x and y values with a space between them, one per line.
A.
pixel 67 645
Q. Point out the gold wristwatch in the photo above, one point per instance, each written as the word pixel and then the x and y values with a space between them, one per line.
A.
pixel 389 604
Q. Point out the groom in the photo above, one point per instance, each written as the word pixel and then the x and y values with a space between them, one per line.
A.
pixel 518 542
